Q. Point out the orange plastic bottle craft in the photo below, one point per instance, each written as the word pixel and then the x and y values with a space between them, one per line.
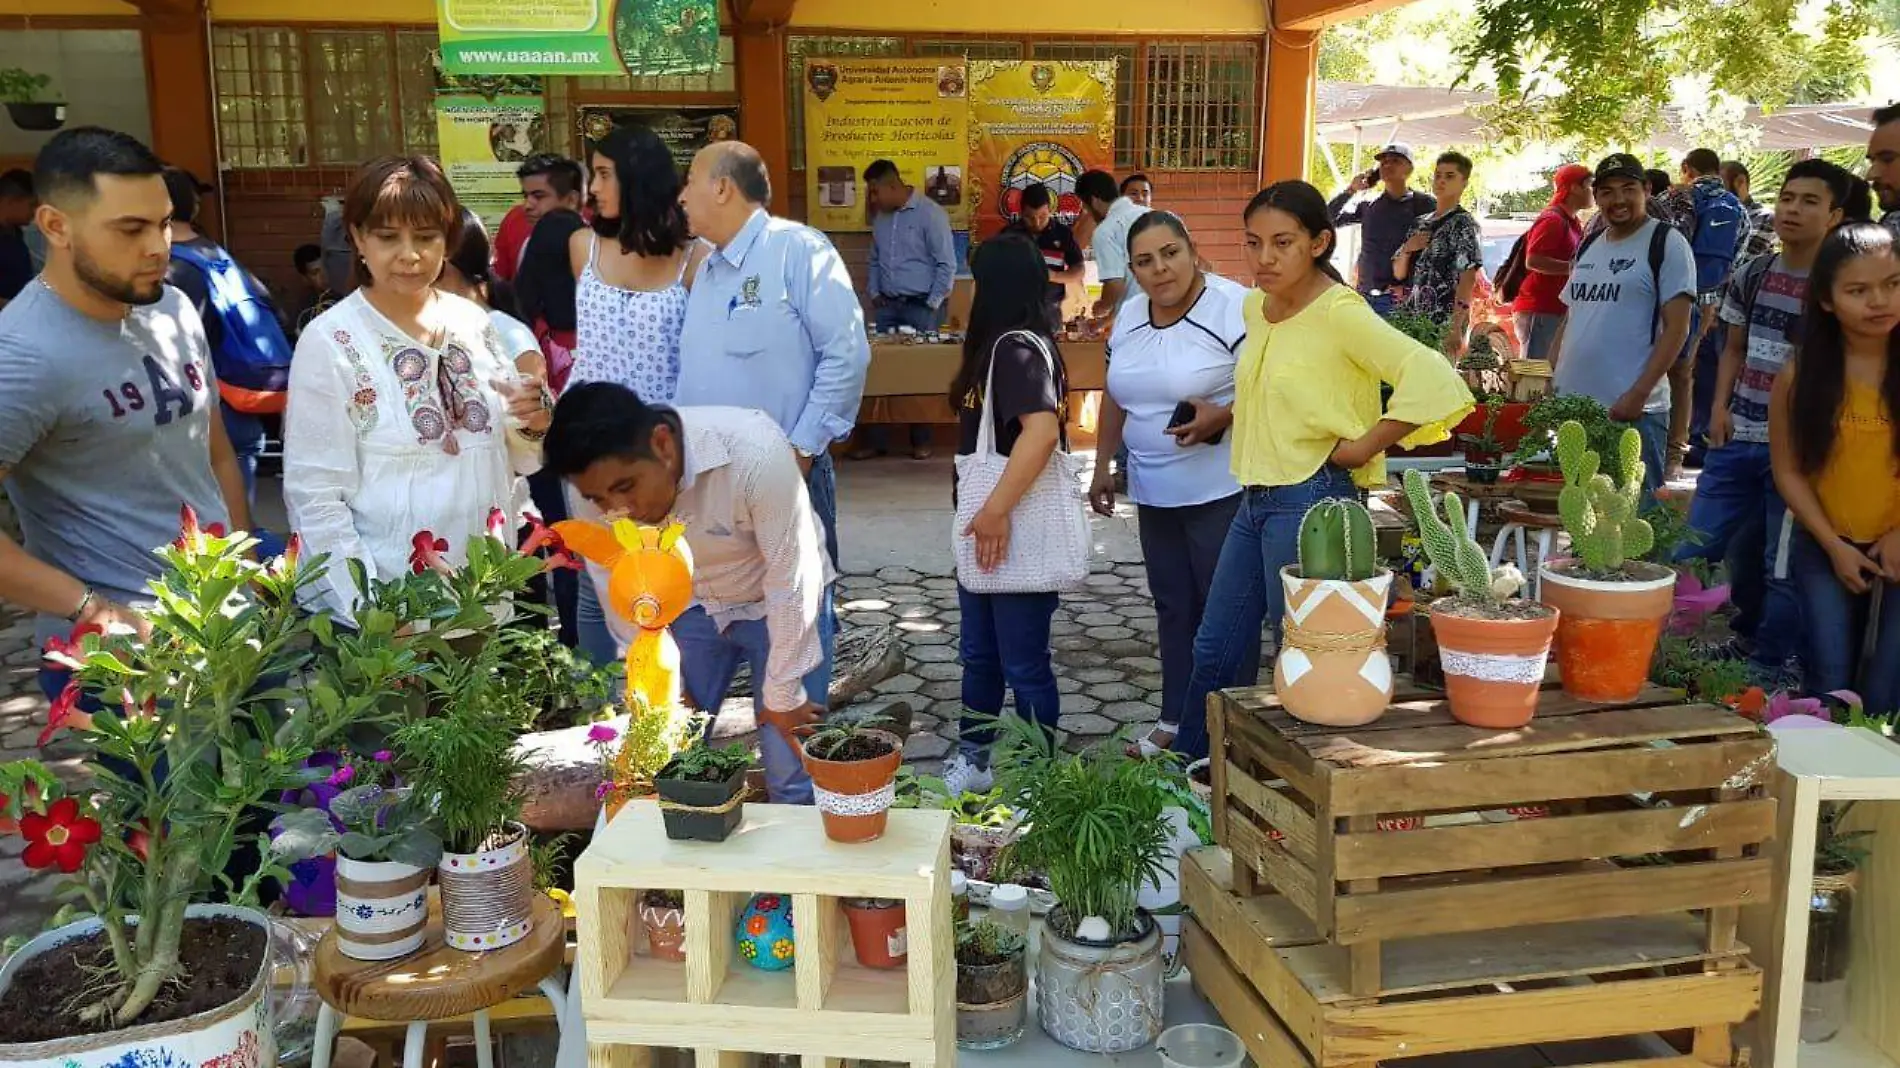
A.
pixel 650 583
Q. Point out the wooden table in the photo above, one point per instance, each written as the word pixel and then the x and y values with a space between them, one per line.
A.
pixel 910 383
pixel 438 983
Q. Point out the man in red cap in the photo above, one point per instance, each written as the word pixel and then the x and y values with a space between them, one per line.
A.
pixel 1548 249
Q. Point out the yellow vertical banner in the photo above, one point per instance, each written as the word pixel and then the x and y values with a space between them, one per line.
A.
pixel 482 141
pixel 912 112
pixel 1036 122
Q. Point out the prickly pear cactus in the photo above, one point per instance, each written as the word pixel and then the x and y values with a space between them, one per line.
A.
pixel 1336 542
pixel 1458 558
pixel 1601 516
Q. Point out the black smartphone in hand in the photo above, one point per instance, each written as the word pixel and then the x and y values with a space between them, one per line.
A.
pixel 1184 414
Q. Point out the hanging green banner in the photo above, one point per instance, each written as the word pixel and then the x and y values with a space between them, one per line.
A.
pixel 634 37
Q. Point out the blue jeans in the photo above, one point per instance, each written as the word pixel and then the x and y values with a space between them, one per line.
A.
pixel 1535 332
pixel 1653 428
pixel 1738 510
pixel 709 657
pixel 822 484
pixel 1264 538
pixel 1834 624
pixel 246 432
pixel 1383 304
pixel 1708 363
pixel 1005 641
pixel 550 499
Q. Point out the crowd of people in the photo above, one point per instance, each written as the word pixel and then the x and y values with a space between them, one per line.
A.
pixel 633 342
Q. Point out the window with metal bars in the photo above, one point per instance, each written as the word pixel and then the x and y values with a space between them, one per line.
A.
pixel 1125 56
pixel 293 98
pixel 1199 105
pixel 968 47
pixel 724 79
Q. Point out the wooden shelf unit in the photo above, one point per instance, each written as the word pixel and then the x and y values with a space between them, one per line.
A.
pixel 826 1007
pixel 1816 766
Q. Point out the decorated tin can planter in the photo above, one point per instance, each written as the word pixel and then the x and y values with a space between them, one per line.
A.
pixel 487 896
pixel 381 908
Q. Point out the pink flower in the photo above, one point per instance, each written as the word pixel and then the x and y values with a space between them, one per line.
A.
pixel 1784 704
pixel 382 756
pixel 426 552
pixel 601 790
pixel 65 712
pixel 601 734
pixel 497 524
pixel 136 710
pixel 542 537
pixel 342 776
pixel 293 552
pixel 190 535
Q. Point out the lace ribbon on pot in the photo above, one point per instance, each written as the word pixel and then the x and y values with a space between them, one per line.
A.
pixel 1495 667
pixel 855 804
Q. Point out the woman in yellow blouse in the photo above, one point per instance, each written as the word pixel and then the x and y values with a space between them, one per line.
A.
pixel 1836 456
pixel 1307 423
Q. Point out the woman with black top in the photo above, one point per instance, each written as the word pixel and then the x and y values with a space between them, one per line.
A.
pixel 1005 639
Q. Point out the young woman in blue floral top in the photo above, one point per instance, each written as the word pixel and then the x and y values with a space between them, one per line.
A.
pixel 1440 262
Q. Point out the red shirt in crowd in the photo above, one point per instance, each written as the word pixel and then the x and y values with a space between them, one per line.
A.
pixel 510 239
pixel 1556 234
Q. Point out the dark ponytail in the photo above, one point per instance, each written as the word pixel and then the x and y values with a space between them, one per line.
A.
pixel 1819 387
pixel 1308 207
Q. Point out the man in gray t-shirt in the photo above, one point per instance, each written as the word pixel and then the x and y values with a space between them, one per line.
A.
pixel 1628 296
pixel 106 393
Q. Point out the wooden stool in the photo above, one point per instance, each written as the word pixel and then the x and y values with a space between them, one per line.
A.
pixel 1517 520
pixel 438 983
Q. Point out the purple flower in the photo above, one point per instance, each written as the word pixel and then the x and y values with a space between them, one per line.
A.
pixel 601 734
pixel 383 756
pixel 342 776
pixel 602 790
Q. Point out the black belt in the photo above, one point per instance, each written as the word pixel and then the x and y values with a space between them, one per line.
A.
pixel 920 299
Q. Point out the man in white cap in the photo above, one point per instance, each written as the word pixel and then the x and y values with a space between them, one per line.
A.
pixel 1384 221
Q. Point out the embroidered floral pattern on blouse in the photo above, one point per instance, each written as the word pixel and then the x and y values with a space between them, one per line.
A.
pixel 432 384
pixel 362 402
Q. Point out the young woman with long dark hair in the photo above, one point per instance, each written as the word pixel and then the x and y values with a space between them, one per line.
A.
pixel 1308 425
pixel 1834 437
pixel 1011 352
pixel 634 268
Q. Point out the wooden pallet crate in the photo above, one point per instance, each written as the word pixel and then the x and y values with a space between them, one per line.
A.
pixel 1286 991
pixel 1400 829
pixel 826 1007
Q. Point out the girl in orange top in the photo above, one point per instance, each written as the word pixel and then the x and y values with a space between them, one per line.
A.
pixel 1836 447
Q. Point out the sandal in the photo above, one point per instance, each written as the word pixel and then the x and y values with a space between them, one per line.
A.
pixel 1146 748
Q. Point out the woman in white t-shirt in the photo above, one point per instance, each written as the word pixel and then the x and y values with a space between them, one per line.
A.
pixel 407 411
pixel 1170 400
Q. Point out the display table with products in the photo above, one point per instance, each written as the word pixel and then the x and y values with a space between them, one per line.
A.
pixel 910 383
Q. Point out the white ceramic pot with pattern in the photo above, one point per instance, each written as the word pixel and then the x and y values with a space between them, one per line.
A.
pixel 488 896
pixel 1332 668
pixel 1100 997
pixel 237 1034
pixel 381 908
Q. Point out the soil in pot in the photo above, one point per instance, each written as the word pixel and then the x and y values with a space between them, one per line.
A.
pixel 696 811
pixel 853 784
pixel 1493 655
pixel 221 955
pixel 992 998
pixel 1611 624
pixel 877 931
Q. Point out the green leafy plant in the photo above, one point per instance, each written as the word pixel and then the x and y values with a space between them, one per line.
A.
pixel 1337 542
pixel 1485 443
pixel 560 686
pixel 1094 821
pixel 984 942
pixel 1681 664
pixel 462 757
pixel 1837 851
pixel 1420 327
pixel 1553 410
pixel 703 762
pixel 20 86
pixel 1455 555
pixel 372 820
pixel 1599 514
pixel 653 737
pixel 841 730
pixel 546 857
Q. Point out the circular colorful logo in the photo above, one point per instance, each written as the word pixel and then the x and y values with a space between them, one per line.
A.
pixel 1050 165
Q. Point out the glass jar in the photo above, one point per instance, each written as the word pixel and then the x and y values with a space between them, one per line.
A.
pixel 1830 943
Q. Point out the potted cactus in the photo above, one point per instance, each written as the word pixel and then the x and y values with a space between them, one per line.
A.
pixel 1493 648
pixel 1614 605
pixel 1332 668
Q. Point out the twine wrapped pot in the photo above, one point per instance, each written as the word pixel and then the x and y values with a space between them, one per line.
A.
pixel 487 896
pixel 381 908
pixel 238 1032
pixel 1101 998
pixel 1332 667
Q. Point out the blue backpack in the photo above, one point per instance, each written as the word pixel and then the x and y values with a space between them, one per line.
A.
pixel 1721 225
pixel 253 357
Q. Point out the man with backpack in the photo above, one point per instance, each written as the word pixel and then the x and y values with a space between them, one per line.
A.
pixel 1716 224
pixel 1532 278
pixel 249 350
pixel 1737 511
pixel 1628 299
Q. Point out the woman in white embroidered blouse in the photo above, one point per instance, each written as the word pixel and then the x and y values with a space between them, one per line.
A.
pixel 405 412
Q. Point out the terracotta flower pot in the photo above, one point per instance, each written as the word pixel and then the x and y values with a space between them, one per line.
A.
pixel 877 931
pixel 666 931
pixel 1609 631
pixel 1332 667
pixel 1493 667
pixel 854 797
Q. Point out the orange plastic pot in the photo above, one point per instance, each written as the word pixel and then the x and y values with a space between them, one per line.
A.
pixel 877 931
pixel 854 797
pixel 1609 630
pixel 1493 667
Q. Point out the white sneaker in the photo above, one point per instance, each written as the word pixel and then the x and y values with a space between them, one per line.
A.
pixel 961 776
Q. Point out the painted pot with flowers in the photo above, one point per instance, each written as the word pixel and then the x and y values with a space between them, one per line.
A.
pixel 170 963
pixel 385 853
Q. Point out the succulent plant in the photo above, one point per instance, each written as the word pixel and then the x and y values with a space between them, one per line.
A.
pixel 1600 513
pixel 1336 542
pixel 1456 555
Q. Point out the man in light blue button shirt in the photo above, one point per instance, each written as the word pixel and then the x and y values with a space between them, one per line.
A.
pixel 773 322
pixel 913 263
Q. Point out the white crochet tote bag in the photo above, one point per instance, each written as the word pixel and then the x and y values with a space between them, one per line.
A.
pixel 1049 527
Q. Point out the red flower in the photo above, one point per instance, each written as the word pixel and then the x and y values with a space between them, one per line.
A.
pixel 65 713
pixel 293 551
pixel 135 710
pixel 7 823
pixel 497 524
pixel 426 552
pixel 58 837
pixel 68 651
pixel 542 537
pixel 190 535
pixel 139 841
